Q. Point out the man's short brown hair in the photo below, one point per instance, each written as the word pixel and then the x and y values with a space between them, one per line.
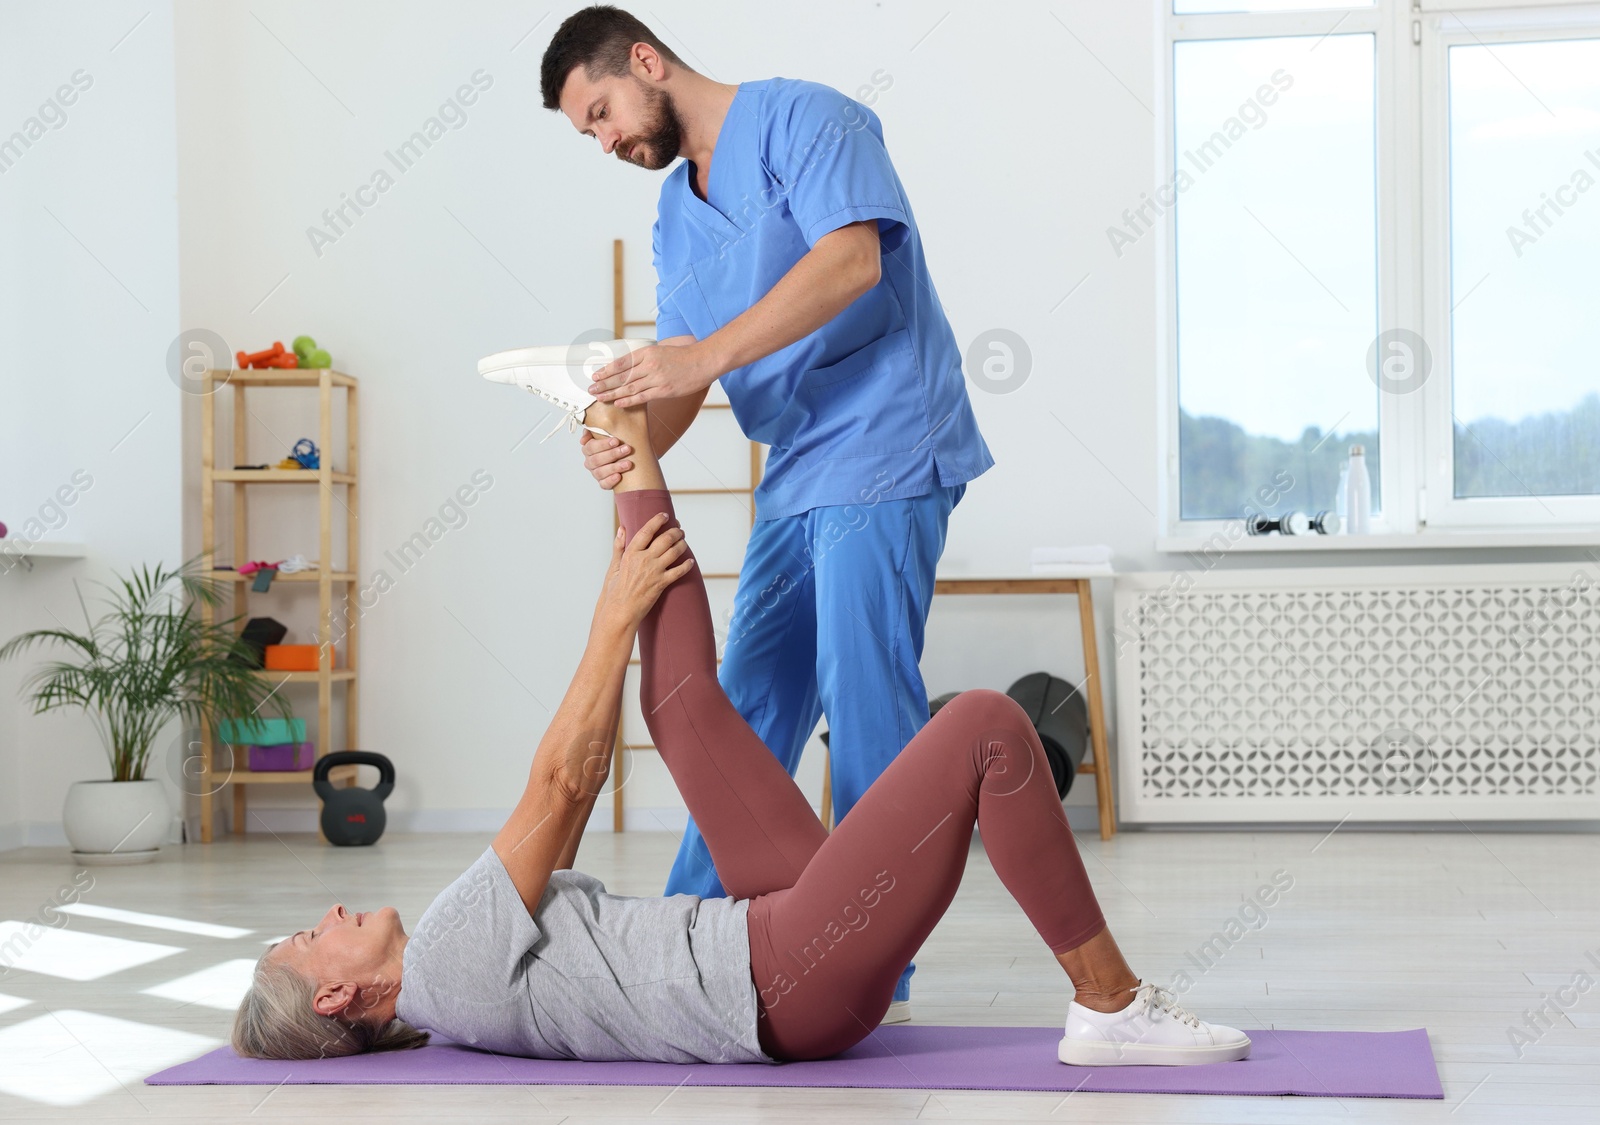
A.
pixel 600 39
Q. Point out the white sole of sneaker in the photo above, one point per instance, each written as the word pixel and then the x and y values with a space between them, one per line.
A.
pixel 1079 1052
pixel 579 359
pixel 899 1012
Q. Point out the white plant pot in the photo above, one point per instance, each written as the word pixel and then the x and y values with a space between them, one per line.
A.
pixel 116 822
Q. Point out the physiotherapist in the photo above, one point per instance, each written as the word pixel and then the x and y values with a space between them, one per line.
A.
pixel 789 266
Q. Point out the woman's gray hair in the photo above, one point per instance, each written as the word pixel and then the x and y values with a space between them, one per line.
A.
pixel 276 1020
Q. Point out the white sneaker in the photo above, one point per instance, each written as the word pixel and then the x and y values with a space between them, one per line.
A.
pixel 1151 1031
pixel 899 1012
pixel 559 373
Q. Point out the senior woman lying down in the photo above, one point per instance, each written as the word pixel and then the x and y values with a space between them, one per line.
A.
pixel 524 956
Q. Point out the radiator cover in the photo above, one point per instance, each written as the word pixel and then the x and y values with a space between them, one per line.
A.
pixel 1361 693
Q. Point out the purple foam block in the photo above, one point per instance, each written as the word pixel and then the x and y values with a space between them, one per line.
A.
pixel 282 756
pixel 1335 1064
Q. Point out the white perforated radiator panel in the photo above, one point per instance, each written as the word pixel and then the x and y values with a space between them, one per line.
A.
pixel 1367 693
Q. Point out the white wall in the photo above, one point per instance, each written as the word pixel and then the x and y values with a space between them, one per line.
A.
pixel 1021 133
pixel 88 306
pixel 500 236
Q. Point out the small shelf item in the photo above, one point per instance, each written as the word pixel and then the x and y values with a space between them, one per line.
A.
pixel 314 465
pixel 296 658
pixel 282 756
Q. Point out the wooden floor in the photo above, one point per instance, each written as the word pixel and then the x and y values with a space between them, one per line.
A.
pixel 1457 932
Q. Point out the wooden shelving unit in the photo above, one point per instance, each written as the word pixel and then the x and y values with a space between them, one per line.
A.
pixel 325 479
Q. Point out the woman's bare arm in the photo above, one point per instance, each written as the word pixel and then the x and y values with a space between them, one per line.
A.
pixel 570 765
pixel 569 854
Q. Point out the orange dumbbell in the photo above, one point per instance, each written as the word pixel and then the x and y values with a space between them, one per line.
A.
pixel 265 358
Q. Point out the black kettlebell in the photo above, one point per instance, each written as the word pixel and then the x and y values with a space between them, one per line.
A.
pixel 351 817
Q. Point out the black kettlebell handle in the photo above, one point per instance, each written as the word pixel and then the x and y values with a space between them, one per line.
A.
pixel 325 788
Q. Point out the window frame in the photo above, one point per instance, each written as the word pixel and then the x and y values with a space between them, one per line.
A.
pixel 1441 508
pixel 1411 163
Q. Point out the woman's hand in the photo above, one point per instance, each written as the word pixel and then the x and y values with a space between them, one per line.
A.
pixel 641 570
pixel 606 458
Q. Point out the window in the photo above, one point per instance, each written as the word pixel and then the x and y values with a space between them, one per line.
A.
pixel 1524 236
pixel 1380 228
pixel 1276 267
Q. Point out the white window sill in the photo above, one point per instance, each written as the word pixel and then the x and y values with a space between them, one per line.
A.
pixel 1421 540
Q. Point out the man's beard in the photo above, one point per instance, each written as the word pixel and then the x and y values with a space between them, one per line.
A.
pixel 663 130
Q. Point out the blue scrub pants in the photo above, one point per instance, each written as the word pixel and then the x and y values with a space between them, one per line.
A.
pixel 828 619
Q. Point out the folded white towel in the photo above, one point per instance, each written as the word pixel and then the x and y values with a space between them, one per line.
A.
pixel 1070 570
pixel 1076 556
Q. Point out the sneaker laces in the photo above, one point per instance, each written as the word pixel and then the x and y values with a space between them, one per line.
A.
pixel 569 420
pixel 1157 998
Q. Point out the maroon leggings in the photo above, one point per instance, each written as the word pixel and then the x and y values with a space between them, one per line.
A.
pixel 833 919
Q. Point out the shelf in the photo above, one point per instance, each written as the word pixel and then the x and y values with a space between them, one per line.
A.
pixel 337 675
pixel 278 476
pixel 42 549
pixel 337 773
pixel 280 377
pixel 298 576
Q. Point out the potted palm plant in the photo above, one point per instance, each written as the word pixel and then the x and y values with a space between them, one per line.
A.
pixel 148 660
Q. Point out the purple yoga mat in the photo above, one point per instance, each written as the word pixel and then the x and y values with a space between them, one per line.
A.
pixel 1355 1064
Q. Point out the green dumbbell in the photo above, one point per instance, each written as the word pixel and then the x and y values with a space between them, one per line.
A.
pixel 309 355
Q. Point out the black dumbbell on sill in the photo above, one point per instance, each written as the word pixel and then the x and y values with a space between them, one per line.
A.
pixel 1294 523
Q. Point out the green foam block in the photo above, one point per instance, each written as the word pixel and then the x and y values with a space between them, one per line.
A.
pixel 263 732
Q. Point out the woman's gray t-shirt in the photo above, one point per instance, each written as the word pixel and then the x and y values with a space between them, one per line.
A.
pixel 589 975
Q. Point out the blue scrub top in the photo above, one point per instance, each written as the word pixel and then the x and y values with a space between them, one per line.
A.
pixel 872 405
